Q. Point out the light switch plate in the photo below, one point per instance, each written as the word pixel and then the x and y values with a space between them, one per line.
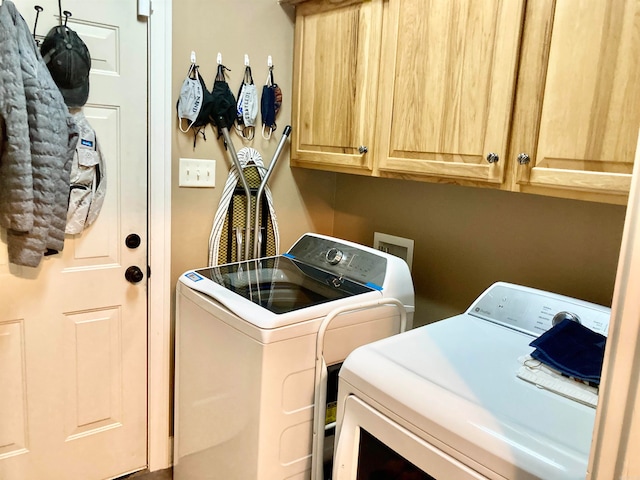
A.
pixel 197 173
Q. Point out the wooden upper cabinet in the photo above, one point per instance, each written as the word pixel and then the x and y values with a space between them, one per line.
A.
pixel 589 111
pixel 456 91
pixel 337 56
pixel 447 85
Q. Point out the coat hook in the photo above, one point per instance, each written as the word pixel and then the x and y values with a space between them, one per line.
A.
pixel 246 60
pixel 219 59
pixel 66 14
pixel 193 57
pixel 38 9
pixel 269 62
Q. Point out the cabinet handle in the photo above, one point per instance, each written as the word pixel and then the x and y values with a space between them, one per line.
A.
pixel 492 157
pixel 363 149
pixel 523 159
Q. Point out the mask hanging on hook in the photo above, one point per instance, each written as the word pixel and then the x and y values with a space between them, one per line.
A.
pixel 191 99
pixel 223 108
pixel 270 105
pixel 194 103
pixel 247 106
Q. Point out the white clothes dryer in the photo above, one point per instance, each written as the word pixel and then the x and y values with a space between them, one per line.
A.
pixel 253 342
pixel 455 399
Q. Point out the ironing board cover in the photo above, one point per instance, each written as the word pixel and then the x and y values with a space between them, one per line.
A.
pixel 219 247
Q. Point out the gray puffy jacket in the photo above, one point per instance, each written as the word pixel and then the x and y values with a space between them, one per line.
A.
pixel 36 149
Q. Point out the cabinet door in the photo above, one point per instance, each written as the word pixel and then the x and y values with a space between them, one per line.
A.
pixel 336 59
pixel 447 86
pixel 590 99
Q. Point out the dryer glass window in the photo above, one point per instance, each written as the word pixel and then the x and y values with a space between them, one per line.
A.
pixel 282 284
pixel 376 461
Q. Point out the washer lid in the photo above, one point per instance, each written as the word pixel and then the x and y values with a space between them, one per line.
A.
pixel 455 381
pixel 281 284
pixel 276 291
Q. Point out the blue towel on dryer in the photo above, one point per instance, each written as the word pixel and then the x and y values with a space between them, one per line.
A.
pixel 573 350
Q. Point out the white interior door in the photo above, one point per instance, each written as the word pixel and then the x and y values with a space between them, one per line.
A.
pixel 73 332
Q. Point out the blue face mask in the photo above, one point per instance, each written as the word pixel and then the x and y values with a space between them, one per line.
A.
pixel 270 106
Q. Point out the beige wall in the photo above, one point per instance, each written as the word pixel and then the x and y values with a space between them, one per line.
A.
pixel 258 28
pixel 467 238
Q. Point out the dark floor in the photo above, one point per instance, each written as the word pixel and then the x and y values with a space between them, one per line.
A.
pixel 146 475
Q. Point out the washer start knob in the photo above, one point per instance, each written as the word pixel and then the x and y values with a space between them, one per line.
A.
pixel 334 256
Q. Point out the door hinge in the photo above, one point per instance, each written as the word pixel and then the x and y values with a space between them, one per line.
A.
pixel 144 8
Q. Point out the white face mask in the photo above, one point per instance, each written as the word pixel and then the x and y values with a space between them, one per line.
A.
pixel 247 106
pixel 190 99
pixel 250 105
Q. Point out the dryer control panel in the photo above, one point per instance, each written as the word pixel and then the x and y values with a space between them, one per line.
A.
pixel 535 311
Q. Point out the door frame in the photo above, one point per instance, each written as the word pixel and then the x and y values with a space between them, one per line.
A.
pixel 159 239
pixel 618 412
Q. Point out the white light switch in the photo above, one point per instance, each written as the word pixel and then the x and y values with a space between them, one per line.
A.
pixel 197 173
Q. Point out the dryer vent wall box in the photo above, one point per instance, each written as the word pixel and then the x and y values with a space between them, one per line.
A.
pixel 398 246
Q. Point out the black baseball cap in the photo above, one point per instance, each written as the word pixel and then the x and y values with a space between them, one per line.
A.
pixel 69 62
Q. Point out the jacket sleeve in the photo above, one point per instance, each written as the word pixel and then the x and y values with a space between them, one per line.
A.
pixel 16 181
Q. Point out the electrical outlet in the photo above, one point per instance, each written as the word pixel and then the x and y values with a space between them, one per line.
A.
pixel 197 173
pixel 398 246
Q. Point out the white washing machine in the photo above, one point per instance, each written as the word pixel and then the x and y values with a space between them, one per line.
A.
pixel 460 399
pixel 254 338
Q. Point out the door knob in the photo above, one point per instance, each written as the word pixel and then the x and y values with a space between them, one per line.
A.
pixel 133 274
pixel 133 240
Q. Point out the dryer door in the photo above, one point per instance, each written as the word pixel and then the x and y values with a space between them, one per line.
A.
pixel 372 446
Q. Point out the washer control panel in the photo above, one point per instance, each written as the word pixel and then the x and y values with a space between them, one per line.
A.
pixel 535 311
pixel 342 258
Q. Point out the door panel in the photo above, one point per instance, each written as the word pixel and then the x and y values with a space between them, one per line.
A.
pixel 337 49
pixel 94 392
pixel 449 81
pixel 589 122
pixel 73 331
pixel 12 396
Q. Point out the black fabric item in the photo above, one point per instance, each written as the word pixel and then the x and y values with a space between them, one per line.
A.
pixel 69 62
pixel 207 105
pixel 572 349
pixel 223 106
